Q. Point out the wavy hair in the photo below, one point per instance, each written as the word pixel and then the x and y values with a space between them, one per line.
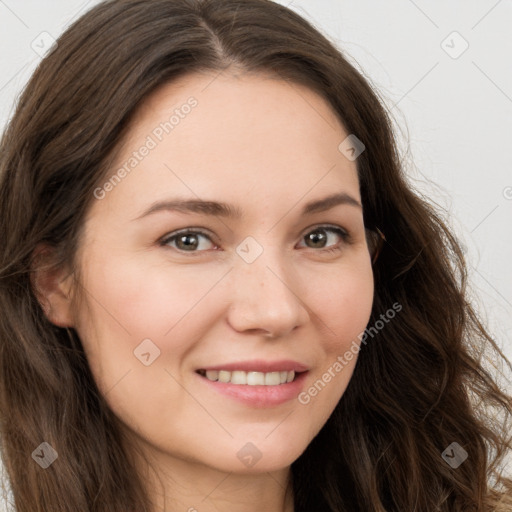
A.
pixel 419 386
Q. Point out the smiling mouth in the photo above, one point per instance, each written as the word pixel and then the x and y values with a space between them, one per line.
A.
pixel 239 377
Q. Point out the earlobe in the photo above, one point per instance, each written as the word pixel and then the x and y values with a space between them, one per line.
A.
pixel 52 286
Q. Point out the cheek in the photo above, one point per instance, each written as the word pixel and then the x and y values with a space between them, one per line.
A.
pixel 344 304
pixel 129 302
pixel 350 307
pixel 342 299
pixel 144 298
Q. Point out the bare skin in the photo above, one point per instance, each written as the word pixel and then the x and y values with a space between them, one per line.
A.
pixel 268 148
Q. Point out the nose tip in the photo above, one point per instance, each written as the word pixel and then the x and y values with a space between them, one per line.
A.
pixel 264 301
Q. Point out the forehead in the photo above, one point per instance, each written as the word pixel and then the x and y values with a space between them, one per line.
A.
pixel 231 109
pixel 250 136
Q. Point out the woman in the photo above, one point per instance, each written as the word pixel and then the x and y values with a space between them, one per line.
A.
pixel 219 291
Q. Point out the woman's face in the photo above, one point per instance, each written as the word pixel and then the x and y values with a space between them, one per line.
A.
pixel 161 308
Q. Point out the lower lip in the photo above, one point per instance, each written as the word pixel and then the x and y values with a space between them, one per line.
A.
pixel 259 396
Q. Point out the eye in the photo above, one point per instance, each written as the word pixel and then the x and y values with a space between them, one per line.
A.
pixel 319 237
pixel 187 240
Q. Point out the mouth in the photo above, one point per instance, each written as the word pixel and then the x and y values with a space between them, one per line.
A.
pixel 252 388
pixel 240 377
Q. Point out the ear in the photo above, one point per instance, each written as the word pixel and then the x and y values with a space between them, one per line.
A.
pixel 52 286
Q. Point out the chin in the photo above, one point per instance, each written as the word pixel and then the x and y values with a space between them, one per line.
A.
pixel 251 457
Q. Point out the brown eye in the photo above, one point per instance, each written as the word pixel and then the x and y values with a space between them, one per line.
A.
pixel 186 241
pixel 319 238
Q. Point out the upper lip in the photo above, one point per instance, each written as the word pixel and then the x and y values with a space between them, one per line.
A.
pixel 260 366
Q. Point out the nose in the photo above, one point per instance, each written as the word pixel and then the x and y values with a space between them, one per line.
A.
pixel 266 297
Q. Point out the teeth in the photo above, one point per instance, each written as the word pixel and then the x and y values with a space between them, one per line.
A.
pixel 224 376
pixel 238 378
pixel 250 378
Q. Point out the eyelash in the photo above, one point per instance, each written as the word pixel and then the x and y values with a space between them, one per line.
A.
pixel 345 236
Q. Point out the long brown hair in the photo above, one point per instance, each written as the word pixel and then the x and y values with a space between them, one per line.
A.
pixel 415 386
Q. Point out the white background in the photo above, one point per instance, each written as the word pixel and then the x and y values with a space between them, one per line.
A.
pixel 454 115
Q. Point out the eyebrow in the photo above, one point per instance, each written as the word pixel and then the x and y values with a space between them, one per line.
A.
pixel 229 211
